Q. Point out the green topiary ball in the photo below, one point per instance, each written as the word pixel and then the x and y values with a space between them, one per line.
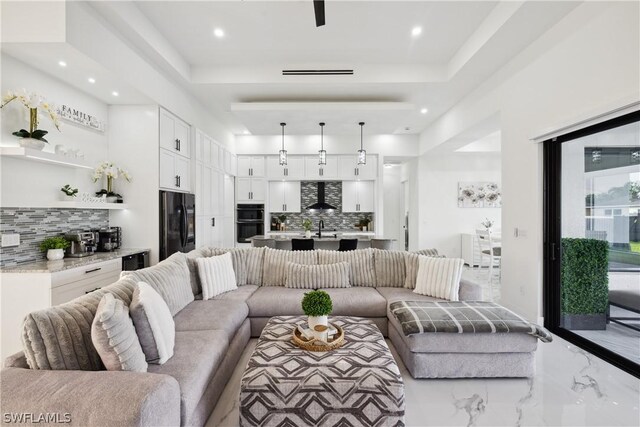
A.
pixel 317 303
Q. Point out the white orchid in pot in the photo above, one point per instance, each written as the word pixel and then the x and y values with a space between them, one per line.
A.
pixel 34 137
pixel 111 172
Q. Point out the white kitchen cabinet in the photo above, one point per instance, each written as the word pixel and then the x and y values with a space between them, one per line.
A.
pixel 23 293
pixel 217 157
pixel 174 134
pixel 284 196
pixel 230 163
pixel 175 171
pixel 228 233
pixel 294 169
pixel 348 167
pixel 316 172
pixel 358 196
pixel 250 190
pixel 251 166
pixel 229 207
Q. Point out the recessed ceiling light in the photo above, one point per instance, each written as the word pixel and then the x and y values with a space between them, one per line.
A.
pixel 62 63
pixel 218 32
pixel 416 31
pixel 114 93
pixel 246 132
pixel 91 80
pixel 424 111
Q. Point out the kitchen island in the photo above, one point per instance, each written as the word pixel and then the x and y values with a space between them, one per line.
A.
pixel 330 240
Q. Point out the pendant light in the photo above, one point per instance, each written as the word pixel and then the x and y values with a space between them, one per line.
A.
pixel 283 152
pixel 362 154
pixel 322 153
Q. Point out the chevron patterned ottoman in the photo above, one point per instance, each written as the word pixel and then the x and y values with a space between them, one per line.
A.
pixel 358 384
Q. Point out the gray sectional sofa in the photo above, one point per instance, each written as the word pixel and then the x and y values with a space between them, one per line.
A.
pixel 58 374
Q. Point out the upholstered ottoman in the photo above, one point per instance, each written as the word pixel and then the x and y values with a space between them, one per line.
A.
pixel 358 384
pixel 477 351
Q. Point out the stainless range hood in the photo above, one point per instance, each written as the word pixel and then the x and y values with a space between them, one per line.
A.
pixel 321 204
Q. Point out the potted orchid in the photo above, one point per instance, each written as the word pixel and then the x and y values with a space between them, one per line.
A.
pixel 34 137
pixel 111 172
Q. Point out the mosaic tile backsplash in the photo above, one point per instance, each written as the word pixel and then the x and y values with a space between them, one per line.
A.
pixel 337 219
pixel 34 225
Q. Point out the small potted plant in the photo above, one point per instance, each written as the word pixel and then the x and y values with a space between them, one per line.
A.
pixel 363 224
pixel 55 247
pixel 111 172
pixel 69 193
pixel 487 223
pixel 318 306
pixel 283 222
pixel 307 225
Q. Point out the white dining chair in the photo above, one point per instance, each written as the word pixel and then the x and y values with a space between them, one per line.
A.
pixel 489 249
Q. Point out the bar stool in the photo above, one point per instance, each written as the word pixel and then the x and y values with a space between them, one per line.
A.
pixel 382 244
pixel 302 244
pixel 266 243
pixel 347 245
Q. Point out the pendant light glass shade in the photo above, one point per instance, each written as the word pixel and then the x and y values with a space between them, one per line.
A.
pixel 362 154
pixel 322 153
pixel 283 152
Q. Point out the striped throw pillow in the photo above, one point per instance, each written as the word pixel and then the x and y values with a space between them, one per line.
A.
pixel 411 265
pixel 389 267
pixel 323 276
pixel 274 271
pixel 439 277
pixel 216 275
pixel 362 272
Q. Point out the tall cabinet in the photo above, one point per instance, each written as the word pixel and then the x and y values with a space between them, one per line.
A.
pixel 175 153
pixel 209 188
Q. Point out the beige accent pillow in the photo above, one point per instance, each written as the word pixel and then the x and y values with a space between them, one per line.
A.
pixel 318 276
pixel 362 271
pixel 439 277
pixel 411 265
pixel 114 337
pixel 153 322
pixel 216 275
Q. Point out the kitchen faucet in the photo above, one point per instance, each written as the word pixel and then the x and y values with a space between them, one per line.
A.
pixel 320 227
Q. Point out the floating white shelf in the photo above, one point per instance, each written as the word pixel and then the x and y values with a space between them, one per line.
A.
pixel 43 157
pixel 80 205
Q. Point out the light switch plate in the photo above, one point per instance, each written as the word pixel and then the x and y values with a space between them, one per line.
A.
pixel 10 240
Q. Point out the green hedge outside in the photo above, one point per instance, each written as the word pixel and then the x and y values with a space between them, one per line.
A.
pixel 584 276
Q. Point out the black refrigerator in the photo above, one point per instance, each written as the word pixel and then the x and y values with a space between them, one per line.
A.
pixel 177 223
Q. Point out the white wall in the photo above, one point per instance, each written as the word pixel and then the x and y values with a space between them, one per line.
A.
pixel 27 183
pixel 133 145
pixel 590 59
pixel 441 220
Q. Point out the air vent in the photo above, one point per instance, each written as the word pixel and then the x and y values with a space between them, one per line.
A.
pixel 317 72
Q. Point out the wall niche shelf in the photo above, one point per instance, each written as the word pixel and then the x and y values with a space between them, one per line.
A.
pixel 43 157
pixel 80 205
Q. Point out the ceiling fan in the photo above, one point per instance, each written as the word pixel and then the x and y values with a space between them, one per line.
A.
pixel 318 8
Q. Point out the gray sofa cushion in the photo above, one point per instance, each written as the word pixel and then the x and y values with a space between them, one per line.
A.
pixel 171 279
pixel 226 315
pixel 318 276
pixel 362 269
pixel 279 301
pixel 60 337
pixel 274 269
pixel 241 294
pixel 389 267
pixel 115 338
pixel 403 294
pixel 196 358
pixel 465 343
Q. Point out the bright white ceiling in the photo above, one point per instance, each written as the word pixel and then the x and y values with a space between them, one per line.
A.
pixel 462 44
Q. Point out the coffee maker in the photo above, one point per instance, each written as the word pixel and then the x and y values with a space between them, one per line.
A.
pixel 82 244
pixel 109 239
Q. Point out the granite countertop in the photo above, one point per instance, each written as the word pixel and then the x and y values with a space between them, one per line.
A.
pixel 328 236
pixel 68 263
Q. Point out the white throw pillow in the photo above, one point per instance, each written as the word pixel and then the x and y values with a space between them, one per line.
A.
pixel 154 324
pixel 439 277
pixel 216 275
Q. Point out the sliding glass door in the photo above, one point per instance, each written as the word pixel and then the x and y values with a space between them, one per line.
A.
pixel 592 239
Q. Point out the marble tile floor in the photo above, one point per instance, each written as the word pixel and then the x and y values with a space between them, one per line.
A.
pixel 617 338
pixel 571 388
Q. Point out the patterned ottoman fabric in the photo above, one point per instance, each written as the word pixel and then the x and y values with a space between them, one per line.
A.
pixel 358 384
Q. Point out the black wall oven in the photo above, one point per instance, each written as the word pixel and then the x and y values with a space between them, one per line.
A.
pixel 250 221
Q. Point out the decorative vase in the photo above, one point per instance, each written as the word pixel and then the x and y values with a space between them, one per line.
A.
pixel 112 199
pixel 55 254
pixel 32 143
pixel 314 321
pixel 109 184
pixel 307 234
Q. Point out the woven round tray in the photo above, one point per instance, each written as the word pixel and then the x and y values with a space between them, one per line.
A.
pixel 315 345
